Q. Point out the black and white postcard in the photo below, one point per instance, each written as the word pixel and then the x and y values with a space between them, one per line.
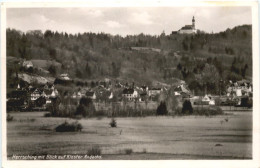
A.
pixel 96 84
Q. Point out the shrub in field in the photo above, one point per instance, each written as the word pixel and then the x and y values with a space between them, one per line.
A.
pixel 9 118
pixel 187 108
pixel 162 109
pixel 128 151
pixel 94 151
pixel 69 127
pixel 47 115
pixel 113 123
pixel 246 102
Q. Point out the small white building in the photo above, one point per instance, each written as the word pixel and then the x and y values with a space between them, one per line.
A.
pixel 35 94
pixel 181 90
pixel 111 96
pixel 65 77
pixel 54 93
pixel 129 94
pixel 27 64
pixel 208 100
pixel 154 91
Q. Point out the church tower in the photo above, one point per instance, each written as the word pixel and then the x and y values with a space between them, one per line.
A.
pixel 193 22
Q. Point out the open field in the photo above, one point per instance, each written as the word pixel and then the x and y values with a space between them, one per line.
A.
pixel 188 137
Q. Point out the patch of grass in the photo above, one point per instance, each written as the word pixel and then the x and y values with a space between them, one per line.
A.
pixel 128 151
pixel 144 150
pixel 202 111
pixel 94 151
pixel 77 117
pixel 69 127
pixel 27 120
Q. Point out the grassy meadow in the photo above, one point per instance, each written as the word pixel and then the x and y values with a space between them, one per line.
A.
pixel 187 137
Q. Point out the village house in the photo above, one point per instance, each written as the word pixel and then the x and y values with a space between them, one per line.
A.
pixel 154 91
pixel 76 95
pixel 208 100
pixel 47 95
pixel 35 93
pixel 48 90
pixel 111 95
pixel 79 94
pixel 239 88
pixel 50 93
pixel 144 88
pixel 91 95
pixel 64 77
pixel 27 64
pixel 129 94
pixel 181 90
pixel 54 93
pixel 49 86
pixel 143 96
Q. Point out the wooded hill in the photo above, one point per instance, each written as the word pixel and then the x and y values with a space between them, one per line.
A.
pixel 201 59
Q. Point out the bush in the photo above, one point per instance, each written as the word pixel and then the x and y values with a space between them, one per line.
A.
pixel 85 108
pixel 246 102
pixel 113 123
pixel 9 118
pixel 128 151
pixel 94 151
pixel 69 127
pixel 81 110
pixel 162 109
pixel 47 115
pixel 186 107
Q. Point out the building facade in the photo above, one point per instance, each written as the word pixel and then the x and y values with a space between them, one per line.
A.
pixel 188 29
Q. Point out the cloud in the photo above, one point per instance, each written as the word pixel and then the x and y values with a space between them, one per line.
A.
pixel 113 24
pixel 141 18
pixel 95 13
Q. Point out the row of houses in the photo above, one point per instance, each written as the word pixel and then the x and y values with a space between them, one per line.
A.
pixel 151 93
pixel 240 88
pixel 30 93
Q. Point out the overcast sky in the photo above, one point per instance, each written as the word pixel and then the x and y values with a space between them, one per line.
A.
pixel 123 21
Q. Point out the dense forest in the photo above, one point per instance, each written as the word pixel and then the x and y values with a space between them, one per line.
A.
pixel 203 60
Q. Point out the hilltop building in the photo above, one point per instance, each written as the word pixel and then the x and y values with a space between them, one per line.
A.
pixel 187 29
